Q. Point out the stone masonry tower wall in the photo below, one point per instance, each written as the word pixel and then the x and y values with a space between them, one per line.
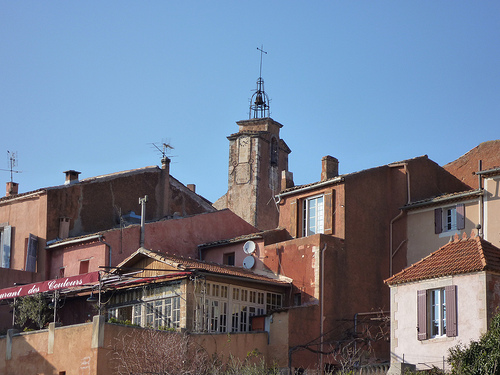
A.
pixel 257 156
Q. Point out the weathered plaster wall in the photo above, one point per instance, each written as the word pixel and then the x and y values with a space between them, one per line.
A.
pixel 471 315
pixel 465 166
pixel 422 239
pixel 69 258
pixel 67 349
pixel 492 210
pixel 177 236
pixel 26 214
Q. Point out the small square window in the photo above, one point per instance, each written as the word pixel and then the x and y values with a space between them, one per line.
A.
pixel 228 259
pixel 84 266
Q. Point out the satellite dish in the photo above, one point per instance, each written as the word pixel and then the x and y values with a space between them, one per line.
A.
pixel 249 247
pixel 248 262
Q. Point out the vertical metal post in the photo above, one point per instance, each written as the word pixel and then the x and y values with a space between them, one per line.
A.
pixel 56 297
pixel 142 202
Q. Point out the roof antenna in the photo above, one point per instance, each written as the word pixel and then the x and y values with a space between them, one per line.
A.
pixel 259 102
pixel 12 162
pixel 164 148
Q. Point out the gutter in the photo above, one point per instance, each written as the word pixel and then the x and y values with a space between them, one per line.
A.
pixel 437 200
pixel 489 171
pixel 310 187
pixel 75 241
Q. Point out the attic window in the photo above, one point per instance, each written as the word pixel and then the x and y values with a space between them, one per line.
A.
pixel 449 219
pixel 228 259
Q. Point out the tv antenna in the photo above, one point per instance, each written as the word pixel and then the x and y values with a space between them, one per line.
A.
pixel 12 162
pixel 163 148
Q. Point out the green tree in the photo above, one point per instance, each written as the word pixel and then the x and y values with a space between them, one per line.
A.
pixel 33 310
pixel 479 357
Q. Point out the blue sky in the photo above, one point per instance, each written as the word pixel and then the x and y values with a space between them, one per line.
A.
pixel 90 85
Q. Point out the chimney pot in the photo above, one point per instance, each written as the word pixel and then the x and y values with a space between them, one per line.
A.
pixel 329 167
pixel 71 177
pixel 286 180
pixel 192 187
pixel 12 189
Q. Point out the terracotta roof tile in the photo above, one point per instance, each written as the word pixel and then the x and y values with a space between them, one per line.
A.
pixel 183 263
pixel 459 256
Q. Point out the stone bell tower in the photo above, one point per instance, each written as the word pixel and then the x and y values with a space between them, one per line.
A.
pixel 257 157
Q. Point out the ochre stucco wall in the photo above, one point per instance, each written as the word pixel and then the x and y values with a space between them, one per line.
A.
pixel 422 239
pixel 26 214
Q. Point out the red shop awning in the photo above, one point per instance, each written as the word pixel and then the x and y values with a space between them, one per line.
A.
pixel 45 286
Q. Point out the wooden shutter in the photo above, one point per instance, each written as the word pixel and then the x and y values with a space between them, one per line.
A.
pixel 329 208
pixel 451 310
pixel 6 241
pixel 422 314
pixel 438 220
pixel 31 255
pixel 460 216
pixel 294 227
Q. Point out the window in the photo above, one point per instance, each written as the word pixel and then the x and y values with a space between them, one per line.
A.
pixel 31 251
pixel 162 313
pixel 449 219
pixel 228 259
pixel 274 152
pixel 313 216
pixel 84 266
pixel 437 306
pixel 232 310
pixel 5 242
pixel 437 313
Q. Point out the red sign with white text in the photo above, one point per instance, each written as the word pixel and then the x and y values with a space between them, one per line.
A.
pixel 46 286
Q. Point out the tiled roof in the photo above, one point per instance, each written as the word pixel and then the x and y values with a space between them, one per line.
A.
pixel 340 178
pixel 460 256
pixel 183 263
pixel 459 196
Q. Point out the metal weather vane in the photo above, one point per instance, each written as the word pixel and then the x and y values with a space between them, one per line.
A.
pixel 259 103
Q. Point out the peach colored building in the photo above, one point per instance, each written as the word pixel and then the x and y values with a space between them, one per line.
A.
pixel 30 220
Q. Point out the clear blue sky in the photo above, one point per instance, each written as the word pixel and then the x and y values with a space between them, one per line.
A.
pixel 89 85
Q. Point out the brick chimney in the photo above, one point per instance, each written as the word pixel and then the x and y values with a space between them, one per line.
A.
pixel 191 187
pixel 286 180
pixel 329 167
pixel 12 189
pixel 71 177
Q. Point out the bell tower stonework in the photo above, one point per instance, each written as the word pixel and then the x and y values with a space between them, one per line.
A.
pixel 257 157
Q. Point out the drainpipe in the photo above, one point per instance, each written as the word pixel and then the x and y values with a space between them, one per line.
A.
pixel 109 250
pixel 322 305
pixel 481 203
pixel 398 216
pixel 142 202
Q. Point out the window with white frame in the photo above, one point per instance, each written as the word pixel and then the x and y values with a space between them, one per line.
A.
pixel 158 307
pixel 227 308
pixel 449 219
pixel 437 313
pixel 437 306
pixel 313 215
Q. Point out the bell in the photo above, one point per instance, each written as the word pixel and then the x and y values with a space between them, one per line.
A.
pixel 258 99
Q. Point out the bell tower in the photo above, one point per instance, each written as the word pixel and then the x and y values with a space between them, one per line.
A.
pixel 257 157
